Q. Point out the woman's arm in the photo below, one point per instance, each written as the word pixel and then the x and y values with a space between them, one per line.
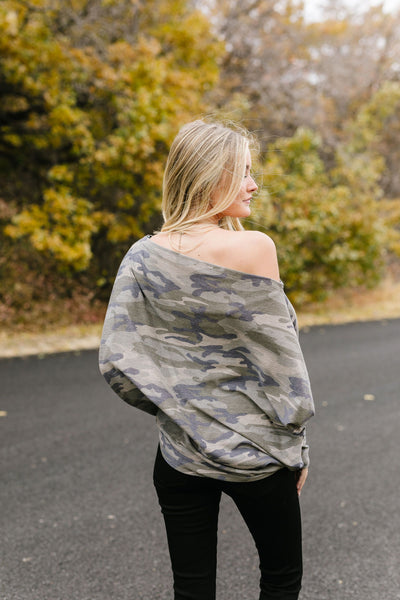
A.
pixel 302 476
pixel 119 351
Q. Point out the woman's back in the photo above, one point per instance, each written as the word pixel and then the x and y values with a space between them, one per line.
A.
pixel 248 251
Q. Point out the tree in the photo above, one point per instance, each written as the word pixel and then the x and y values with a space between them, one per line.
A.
pixel 376 129
pixel 280 72
pixel 262 70
pixel 89 106
pixel 375 132
pixel 327 226
pixel 353 54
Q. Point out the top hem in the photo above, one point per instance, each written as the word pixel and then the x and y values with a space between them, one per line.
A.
pixel 213 266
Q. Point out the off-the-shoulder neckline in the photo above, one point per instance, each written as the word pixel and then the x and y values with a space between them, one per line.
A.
pixel 214 266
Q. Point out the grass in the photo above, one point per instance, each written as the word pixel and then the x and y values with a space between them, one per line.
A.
pixel 56 339
pixel 345 306
pixel 349 305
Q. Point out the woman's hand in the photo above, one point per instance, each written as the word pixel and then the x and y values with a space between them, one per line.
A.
pixel 301 479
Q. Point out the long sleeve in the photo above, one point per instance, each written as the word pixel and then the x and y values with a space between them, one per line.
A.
pixel 119 344
pixel 214 354
pixel 305 451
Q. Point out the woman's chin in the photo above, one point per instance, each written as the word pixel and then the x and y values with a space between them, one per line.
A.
pixel 240 213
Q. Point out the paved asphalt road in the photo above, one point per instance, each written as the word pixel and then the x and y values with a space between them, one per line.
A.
pixel 79 517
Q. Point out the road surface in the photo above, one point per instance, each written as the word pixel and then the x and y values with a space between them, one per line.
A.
pixel 79 516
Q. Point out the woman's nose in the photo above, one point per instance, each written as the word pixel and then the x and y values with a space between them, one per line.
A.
pixel 252 186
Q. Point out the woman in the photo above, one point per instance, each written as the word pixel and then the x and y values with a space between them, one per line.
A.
pixel 200 334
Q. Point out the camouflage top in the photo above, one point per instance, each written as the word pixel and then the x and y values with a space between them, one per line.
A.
pixel 214 354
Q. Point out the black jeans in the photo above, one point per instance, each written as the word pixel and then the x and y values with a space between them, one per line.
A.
pixel 270 508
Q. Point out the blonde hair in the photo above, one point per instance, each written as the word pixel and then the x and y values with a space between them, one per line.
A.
pixel 204 157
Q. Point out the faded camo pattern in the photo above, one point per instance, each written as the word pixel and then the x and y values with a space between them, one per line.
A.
pixel 214 353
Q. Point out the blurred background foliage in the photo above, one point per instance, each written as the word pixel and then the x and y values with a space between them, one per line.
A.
pixel 93 92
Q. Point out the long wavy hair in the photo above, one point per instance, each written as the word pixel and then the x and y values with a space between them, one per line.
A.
pixel 204 158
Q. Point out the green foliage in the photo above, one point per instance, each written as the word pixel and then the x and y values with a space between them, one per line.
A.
pixel 93 92
pixel 326 226
pixel 374 138
pixel 61 226
pixel 87 116
pixel 381 111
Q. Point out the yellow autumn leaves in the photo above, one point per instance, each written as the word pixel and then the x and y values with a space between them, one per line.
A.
pixel 92 93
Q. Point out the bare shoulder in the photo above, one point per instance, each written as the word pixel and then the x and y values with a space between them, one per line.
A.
pixel 256 253
pixel 257 239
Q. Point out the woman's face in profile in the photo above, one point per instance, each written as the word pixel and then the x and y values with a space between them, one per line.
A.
pixel 240 207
